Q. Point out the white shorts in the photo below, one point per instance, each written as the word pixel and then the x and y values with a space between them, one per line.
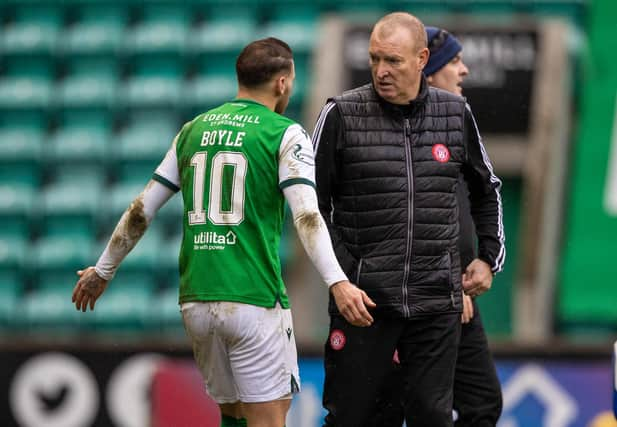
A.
pixel 245 353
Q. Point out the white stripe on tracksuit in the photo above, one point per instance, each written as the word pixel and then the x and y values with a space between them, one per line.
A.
pixel 499 260
pixel 320 122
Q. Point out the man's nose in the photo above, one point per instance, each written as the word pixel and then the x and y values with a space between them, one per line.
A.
pixel 464 69
pixel 382 70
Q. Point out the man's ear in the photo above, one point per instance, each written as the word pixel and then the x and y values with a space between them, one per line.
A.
pixel 280 85
pixel 423 55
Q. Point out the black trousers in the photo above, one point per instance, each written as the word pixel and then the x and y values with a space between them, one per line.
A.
pixel 477 391
pixel 358 362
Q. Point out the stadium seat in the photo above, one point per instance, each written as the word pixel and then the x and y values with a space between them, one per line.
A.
pixel 162 29
pixel 156 83
pixel 25 93
pixel 79 142
pixel 125 305
pixel 18 196
pixel 296 26
pixel 224 32
pixel 71 204
pixel 165 310
pixel 59 253
pixel 21 144
pixel 34 30
pixel 213 83
pixel 168 254
pixel 90 83
pixel 48 306
pixel 16 203
pixel 11 289
pixel 208 91
pixel 145 141
pixel 13 251
pixel 99 30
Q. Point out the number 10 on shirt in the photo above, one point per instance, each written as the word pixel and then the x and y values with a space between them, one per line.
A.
pixel 227 190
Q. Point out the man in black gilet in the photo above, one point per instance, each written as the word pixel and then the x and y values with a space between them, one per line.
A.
pixel 388 159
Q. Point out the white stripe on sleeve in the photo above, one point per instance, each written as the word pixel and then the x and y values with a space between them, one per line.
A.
pixel 320 122
pixel 499 260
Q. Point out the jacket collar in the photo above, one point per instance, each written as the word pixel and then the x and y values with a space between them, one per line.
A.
pixel 419 101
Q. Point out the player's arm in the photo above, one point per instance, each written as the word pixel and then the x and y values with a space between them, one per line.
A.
pixel 129 230
pixel 296 177
pixel 486 210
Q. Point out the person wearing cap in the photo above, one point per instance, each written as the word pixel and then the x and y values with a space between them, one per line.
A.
pixel 477 391
pixel 388 158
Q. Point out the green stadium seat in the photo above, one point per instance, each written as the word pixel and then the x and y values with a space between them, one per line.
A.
pixel 11 289
pixel 90 83
pixel 82 143
pixel 99 30
pixel 20 174
pixel 71 205
pixel 162 29
pixel 35 30
pixel 126 303
pixel 48 307
pixel 155 83
pixel 13 251
pixel 25 93
pixel 297 27
pixel 207 91
pixel 20 144
pixel 165 310
pixel 168 255
pixel 224 33
pixel 17 201
pixel 145 141
pixel 57 253
pixel 18 197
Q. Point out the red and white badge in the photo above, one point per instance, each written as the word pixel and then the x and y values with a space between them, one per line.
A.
pixel 441 153
pixel 337 339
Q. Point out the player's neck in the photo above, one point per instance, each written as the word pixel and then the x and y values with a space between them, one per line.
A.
pixel 258 96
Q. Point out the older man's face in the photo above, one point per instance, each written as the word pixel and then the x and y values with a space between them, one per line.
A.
pixel 396 64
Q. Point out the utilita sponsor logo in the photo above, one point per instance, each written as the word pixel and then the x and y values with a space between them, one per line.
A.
pixel 212 237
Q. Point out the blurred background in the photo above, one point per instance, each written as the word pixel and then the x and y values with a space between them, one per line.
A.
pixel 92 93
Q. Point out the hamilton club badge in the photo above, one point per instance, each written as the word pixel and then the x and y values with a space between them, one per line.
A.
pixel 441 153
pixel 337 339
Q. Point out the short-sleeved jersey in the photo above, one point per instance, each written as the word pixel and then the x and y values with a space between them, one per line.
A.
pixel 231 164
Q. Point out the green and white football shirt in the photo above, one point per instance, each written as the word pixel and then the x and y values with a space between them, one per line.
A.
pixel 231 164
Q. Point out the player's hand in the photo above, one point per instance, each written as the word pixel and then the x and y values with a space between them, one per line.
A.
pixel 88 289
pixel 467 309
pixel 352 303
pixel 478 278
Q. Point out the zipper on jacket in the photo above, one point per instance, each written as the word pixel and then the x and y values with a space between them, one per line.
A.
pixel 410 192
pixel 451 278
pixel 359 271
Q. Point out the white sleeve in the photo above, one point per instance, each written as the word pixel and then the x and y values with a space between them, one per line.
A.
pixel 131 227
pixel 313 232
pixel 296 158
pixel 167 171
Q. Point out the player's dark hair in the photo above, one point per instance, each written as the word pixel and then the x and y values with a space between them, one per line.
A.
pixel 261 60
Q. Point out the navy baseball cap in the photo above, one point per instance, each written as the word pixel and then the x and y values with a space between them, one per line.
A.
pixel 443 46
